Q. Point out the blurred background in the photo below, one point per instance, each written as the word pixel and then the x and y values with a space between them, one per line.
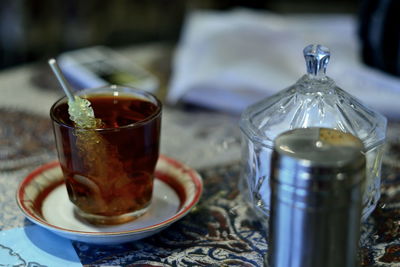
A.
pixel 36 29
pixel 33 30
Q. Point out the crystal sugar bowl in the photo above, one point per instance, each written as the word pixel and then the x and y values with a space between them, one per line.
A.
pixel 313 101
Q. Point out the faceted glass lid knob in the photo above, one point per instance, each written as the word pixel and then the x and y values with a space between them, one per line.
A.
pixel 317 59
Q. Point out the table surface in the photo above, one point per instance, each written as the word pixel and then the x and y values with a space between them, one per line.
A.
pixel 221 230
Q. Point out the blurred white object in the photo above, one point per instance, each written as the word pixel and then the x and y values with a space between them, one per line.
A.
pixel 229 60
pixel 100 66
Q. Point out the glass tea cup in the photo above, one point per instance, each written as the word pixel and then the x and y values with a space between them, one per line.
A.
pixel 109 171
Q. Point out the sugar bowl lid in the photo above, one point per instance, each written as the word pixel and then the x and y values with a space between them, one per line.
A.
pixel 313 101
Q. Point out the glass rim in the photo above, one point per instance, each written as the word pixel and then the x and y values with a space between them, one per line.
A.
pixel 148 97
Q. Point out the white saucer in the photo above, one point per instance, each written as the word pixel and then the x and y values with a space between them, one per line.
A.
pixel 43 198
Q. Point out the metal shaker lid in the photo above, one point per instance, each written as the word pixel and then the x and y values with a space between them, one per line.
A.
pixel 318 159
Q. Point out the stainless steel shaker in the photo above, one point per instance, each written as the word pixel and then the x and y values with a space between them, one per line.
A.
pixel 317 182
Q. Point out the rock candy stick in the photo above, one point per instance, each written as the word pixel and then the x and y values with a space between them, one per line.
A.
pixel 95 150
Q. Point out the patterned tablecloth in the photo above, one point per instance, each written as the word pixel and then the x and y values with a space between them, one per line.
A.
pixel 220 231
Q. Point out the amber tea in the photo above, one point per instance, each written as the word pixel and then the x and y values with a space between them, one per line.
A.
pixel 109 171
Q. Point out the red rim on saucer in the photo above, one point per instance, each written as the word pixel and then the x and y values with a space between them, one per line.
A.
pixel 43 198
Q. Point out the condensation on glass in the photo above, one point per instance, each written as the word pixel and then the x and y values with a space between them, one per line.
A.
pixel 313 101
